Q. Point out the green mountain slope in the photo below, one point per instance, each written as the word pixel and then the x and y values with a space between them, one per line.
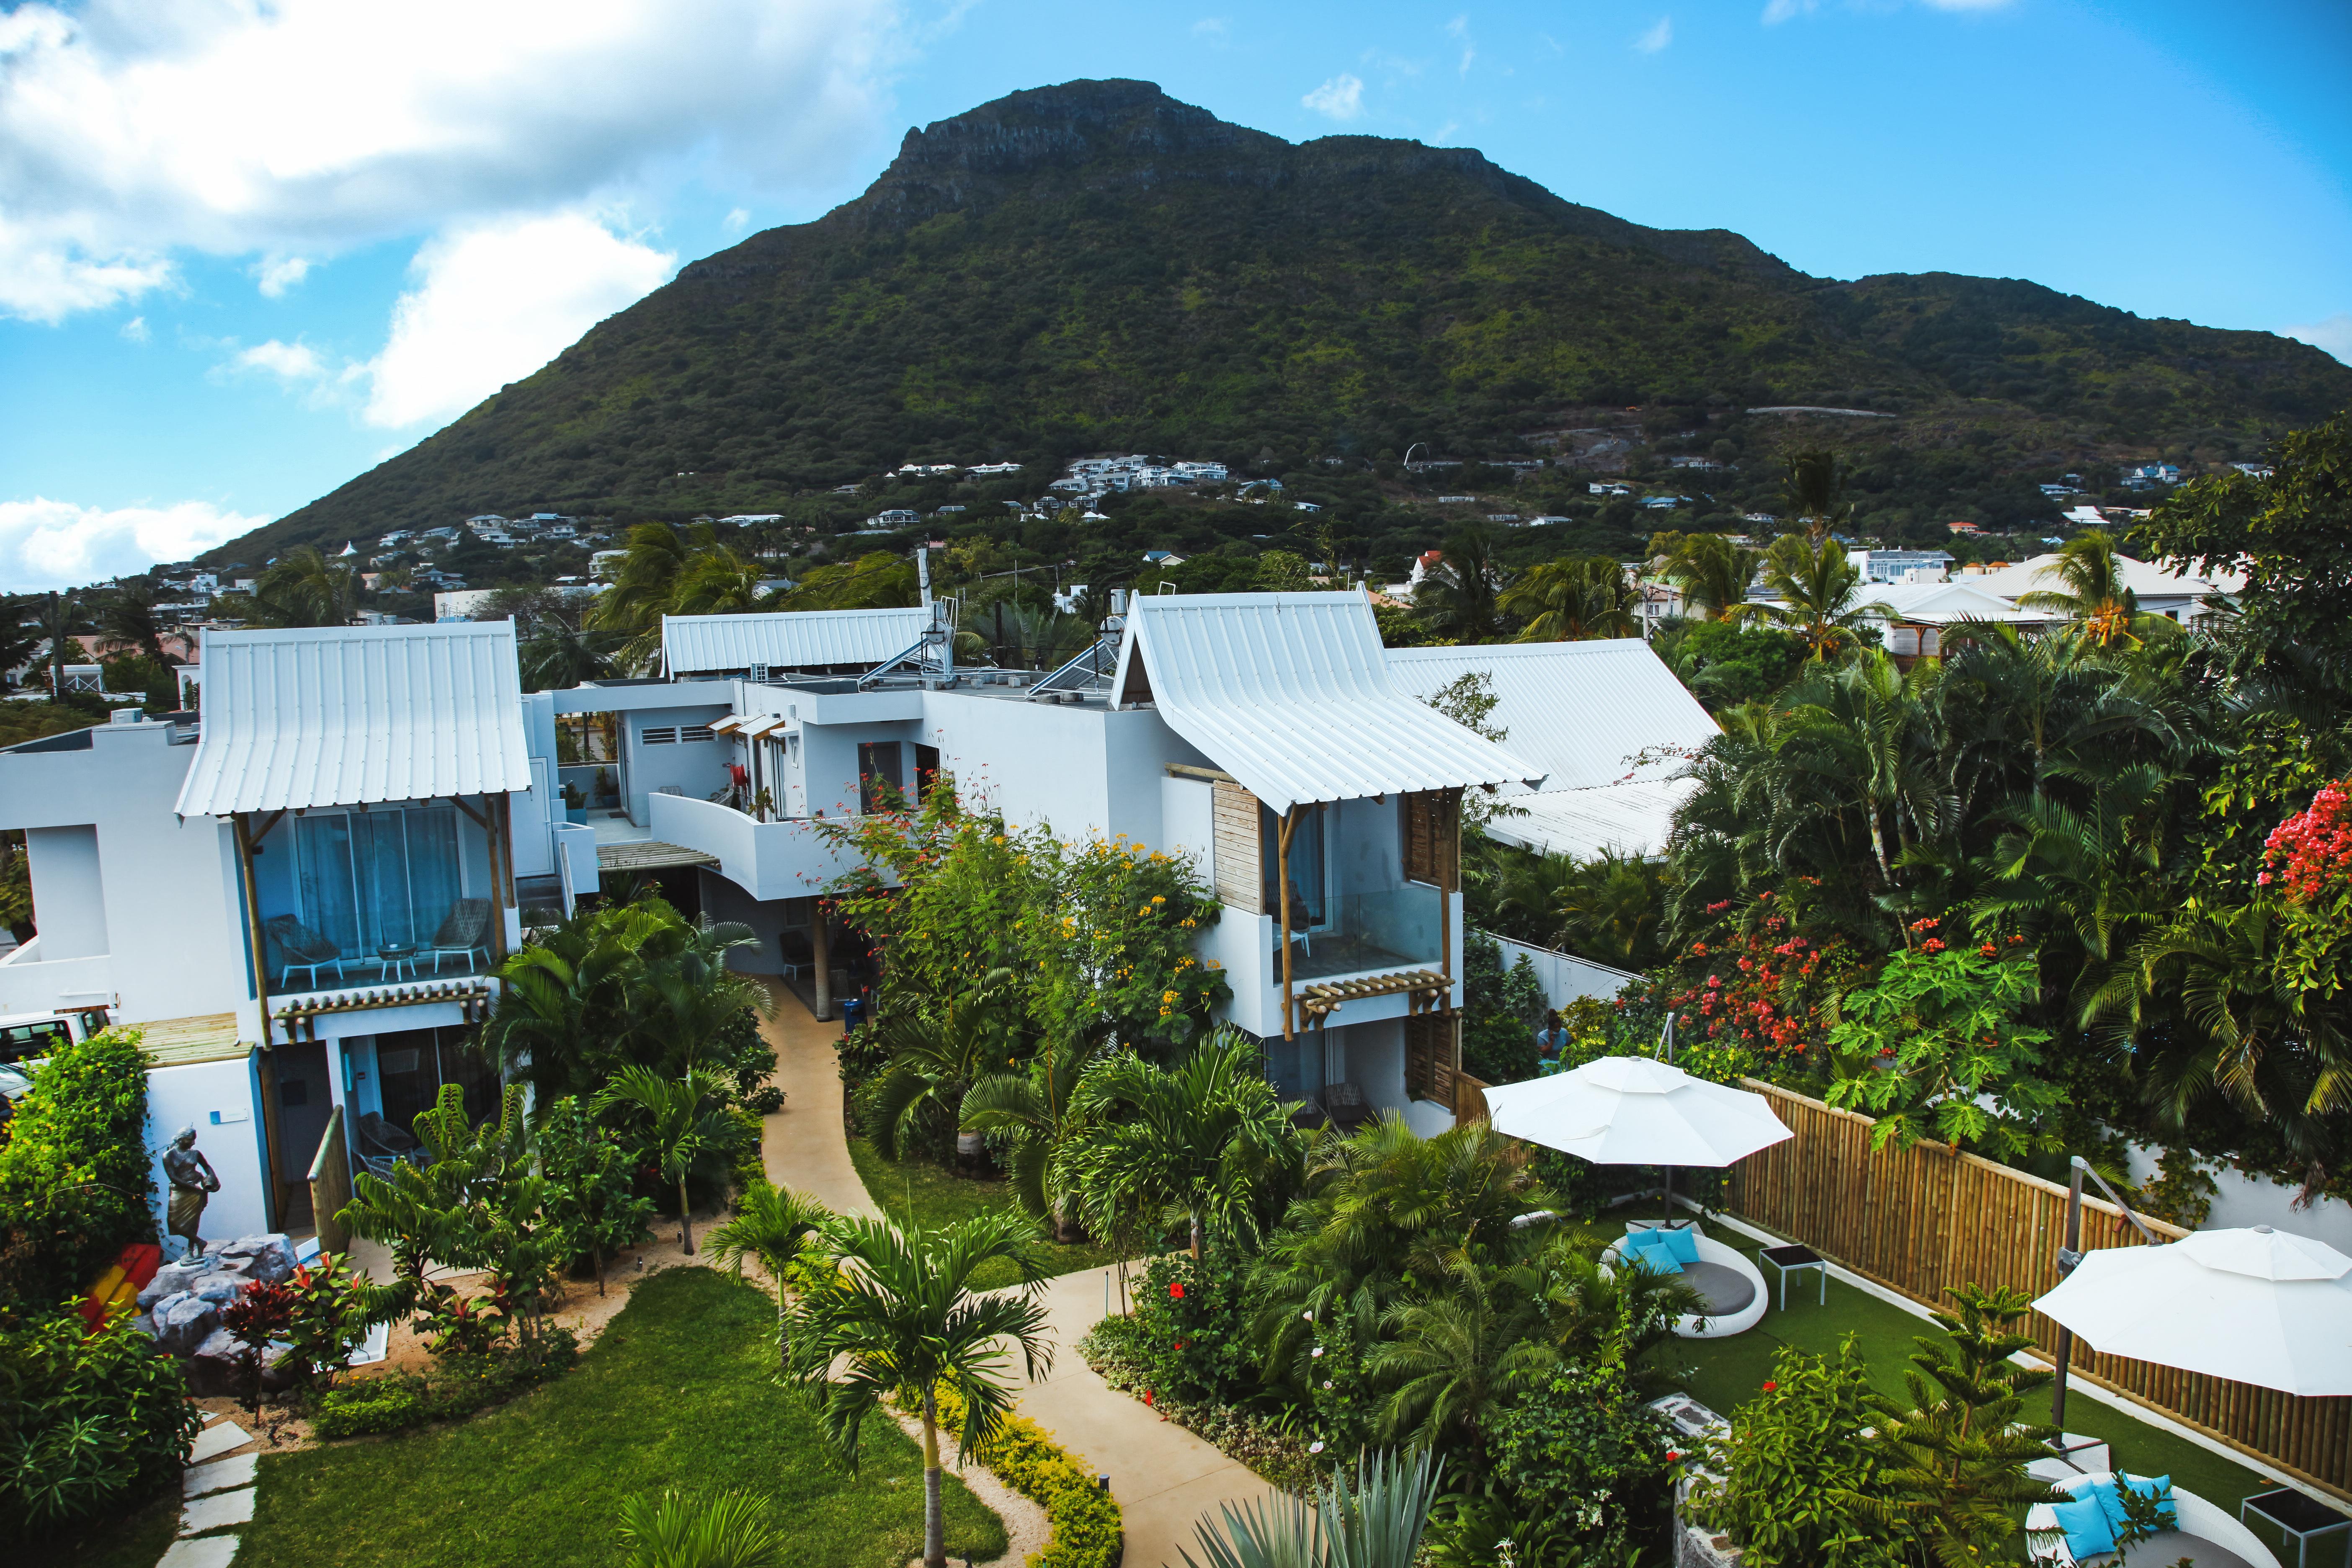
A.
pixel 1097 266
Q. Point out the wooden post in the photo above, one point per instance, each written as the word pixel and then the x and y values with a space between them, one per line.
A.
pixel 1282 892
pixel 495 809
pixel 254 931
pixel 821 957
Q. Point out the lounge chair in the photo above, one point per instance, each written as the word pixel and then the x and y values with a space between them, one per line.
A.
pixel 1731 1286
pixel 384 1146
pixel 2203 1533
pixel 304 949
pixel 462 935
pixel 1344 1103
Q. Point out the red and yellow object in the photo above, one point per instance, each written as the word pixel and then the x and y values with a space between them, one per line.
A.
pixel 122 1282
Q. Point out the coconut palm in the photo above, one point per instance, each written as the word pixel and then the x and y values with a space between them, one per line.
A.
pixel 127 622
pixel 565 1006
pixel 675 1121
pixel 902 1319
pixel 2090 590
pixel 1035 1107
pixel 1710 572
pixel 1812 486
pixel 1458 599
pixel 558 656
pixel 1206 1139
pixel 303 588
pixel 1573 598
pixel 664 564
pixel 684 993
pixel 775 1226
pixel 730 1530
pixel 1817 585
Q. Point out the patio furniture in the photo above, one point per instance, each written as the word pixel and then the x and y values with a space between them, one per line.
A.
pixel 795 951
pixel 392 958
pixel 304 949
pixel 1796 1259
pixel 382 1146
pixel 462 935
pixel 1344 1103
pixel 2203 1532
pixel 2298 1516
pixel 1730 1287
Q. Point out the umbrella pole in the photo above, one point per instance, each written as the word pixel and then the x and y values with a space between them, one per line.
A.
pixel 2068 1256
pixel 1666 1215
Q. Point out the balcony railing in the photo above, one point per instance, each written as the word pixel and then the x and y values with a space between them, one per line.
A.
pixel 1367 933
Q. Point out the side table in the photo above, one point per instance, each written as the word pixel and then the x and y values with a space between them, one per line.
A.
pixel 2296 1515
pixel 391 961
pixel 1794 1259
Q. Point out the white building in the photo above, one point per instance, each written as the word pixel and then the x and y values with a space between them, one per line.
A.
pixel 467 604
pixel 303 895
pixel 1901 565
pixel 2162 589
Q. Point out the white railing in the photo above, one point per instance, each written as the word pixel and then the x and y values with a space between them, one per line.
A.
pixel 1564 976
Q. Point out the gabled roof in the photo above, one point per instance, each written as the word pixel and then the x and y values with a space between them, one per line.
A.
pixel 1291 694
pixel 1588 713
pixel 1939 603
pixel 1633 820
pixel 2148 579
pixel 353 715
pixel 788 639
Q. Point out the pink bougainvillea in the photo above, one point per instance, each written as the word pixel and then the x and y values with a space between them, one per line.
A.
pixel 2309 856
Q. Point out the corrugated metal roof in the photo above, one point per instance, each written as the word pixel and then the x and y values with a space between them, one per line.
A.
pixel 1939 603
pixel 345 715
pixel 2148 579
pixel 1590 713
pixel 788 639
pixel 1290 694
pixel 1628 819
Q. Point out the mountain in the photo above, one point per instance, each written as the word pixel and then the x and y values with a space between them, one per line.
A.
pixel 1097 266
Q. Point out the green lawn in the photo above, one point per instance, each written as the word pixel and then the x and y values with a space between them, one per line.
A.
pixel 1724 1372
pixel 679 1391
pixel 926 1194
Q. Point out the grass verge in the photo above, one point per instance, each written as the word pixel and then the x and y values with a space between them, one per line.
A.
pixel 679 1391
pixel 922 1193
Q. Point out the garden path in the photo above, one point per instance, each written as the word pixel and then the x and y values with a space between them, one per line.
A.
pixel 1164 1478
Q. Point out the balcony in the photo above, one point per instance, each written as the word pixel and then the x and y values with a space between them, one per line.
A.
pixel 1365 933
pixel 378 898
pixel 787 859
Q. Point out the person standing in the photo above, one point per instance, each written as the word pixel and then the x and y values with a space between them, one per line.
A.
pixel 193 1185
pixel 1551 1042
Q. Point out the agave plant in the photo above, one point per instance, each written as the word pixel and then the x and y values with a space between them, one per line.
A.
pixel 1375 1522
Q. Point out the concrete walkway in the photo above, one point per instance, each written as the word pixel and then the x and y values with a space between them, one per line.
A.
pixel 1164 1478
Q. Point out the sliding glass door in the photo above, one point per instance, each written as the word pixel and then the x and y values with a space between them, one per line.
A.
pixel 373 879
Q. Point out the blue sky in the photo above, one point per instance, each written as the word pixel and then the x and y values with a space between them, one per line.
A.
pixel 244 253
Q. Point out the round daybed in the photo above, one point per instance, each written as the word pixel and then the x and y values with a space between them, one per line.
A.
pixel 1731 1286
pixel 2206 1535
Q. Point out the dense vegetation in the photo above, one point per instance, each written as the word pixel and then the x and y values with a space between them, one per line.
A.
pixel 1096 265
pixel 75 1182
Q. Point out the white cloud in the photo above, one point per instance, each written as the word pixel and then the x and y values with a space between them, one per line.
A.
pixel 1341 97
pixel 1458 30
pixel 2334 334
pixel 1966 4
pixel 1652 40
pixel 135 329
pixel 290 363
pixel 495 302
pixel 131 132
pixel 56 544
pixel 737 221
pixel 1778 11
pixel 280 273
pixel 1216 29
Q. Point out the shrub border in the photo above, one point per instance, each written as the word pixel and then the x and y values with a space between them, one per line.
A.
pixel 1089 1529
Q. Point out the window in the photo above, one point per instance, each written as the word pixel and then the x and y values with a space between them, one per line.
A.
pixel 880 784
pixel 927 772
pixel 372 879
pixel 1309 863
pixel 664 736
pixel 693 732
pixel 412 1064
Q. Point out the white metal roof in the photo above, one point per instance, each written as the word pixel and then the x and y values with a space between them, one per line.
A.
pixel 2147 579
pixel 1634 819
pixel 347 715
pixel 1600 712
pixel 1291 694
pixel 788 639
pixel 1939 603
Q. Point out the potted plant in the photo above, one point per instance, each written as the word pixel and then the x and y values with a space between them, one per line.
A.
pixel 608 794
pixel 575 805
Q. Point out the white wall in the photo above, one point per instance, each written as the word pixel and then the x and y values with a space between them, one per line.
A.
pixel 696 767
pixel 2241 1201
pixel 68 894
pixel 1188 824
pixel 190 1096
pixel 1563 977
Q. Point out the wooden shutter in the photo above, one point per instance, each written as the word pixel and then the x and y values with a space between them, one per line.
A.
pixel 1241 883
pixel 1433 837
pixel 1433 1056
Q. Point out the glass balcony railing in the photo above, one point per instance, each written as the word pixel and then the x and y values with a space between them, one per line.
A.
pixel 1399 928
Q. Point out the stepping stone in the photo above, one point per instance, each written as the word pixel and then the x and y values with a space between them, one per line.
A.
pixel 212 1552
pixel 214 1441
pixel 219 1476
pixel 218 1512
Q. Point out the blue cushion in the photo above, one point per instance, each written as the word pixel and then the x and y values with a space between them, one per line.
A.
pixel 2088 1533
pixel 2158 1486
pixel 1682 1241
pixel 1646 1249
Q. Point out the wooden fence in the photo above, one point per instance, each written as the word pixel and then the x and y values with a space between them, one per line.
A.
pixel 1920 1219
pixel 330 1185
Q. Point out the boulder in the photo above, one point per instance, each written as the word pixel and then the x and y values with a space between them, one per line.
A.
pixel 267 1257
pixel 171 1279
pixel 217 1368
pixel 221 1287
pixel 183 1323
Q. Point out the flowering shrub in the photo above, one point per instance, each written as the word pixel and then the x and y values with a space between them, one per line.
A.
pixel 95 1419
pixel 1792 1463
pixel 1584 1452
pixel 1087 1527
pixel 1272 1449
pixel 2309 856
pixel 1191 1336
pixel 1765 991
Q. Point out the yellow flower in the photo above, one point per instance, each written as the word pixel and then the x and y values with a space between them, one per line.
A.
pixel 1159 897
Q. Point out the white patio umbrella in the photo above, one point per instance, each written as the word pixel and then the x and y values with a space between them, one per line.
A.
pixel 1631 1111
pixel 2257 1306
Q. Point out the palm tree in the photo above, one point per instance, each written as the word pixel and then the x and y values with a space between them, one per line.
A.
pixel 685 995
pixel 1711 573
pixel 1458 599
pixel 56 620
pixel 303 588
pixel 127 623
pixel 902 1319
pixel 1574 598
pixel 1205 1139
pixel 938 1053
pixel 664 563
pixel 565 1006
pixel 1611 908
pixel 559 656
pixel 1811 484
pixel 677 1120
pixel 1036 1108
pixel 2091 589
pixel 773 1225
pixel 1817 585
pixel 731 1531
pixel 1456 1357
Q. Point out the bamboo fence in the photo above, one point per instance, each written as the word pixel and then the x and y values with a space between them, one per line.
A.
pixel 1921 1219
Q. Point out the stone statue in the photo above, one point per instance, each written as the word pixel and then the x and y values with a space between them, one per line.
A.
pixel 193 1184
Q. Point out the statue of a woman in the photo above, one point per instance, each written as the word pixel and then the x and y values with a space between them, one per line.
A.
pixel 193 1184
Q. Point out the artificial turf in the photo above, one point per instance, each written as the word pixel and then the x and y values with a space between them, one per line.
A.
pixel 918 1192
pixel 679 1391
pixel 1724 1374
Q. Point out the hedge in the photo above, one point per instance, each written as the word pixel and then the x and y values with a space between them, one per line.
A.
pixel 1087 1529
pixel 76 1183
pixel 462 1385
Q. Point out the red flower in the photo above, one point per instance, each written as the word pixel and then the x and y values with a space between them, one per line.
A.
pixel 1988 950
pixel 1768 1387
pixel 1175 1290
pixel 1933 944
pixel 1146 1396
